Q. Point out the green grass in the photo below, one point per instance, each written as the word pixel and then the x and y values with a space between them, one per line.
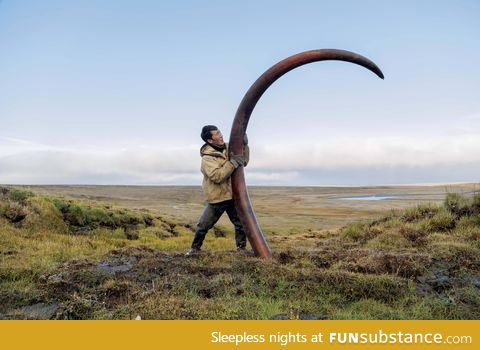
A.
pixel 421 263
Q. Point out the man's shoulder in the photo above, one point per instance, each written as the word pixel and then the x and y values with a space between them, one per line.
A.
pixel 207 150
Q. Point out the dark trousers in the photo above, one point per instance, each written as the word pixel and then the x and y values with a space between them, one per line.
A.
pixel 211 214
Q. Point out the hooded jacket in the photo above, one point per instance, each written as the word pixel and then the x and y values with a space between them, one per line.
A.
pixel 217 169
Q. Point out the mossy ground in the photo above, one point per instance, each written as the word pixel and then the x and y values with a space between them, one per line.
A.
pixel 91 260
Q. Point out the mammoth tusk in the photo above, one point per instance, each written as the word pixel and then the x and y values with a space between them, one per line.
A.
pixel 240 123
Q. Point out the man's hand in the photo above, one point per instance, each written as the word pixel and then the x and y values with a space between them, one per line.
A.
pixel 245 139
pixel 237 160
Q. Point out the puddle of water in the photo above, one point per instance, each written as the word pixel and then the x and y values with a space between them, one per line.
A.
pixel 368 198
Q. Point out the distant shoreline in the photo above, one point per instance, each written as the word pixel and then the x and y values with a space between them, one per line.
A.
pixel 426 184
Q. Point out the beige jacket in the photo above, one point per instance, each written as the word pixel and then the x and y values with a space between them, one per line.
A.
pixel 217 169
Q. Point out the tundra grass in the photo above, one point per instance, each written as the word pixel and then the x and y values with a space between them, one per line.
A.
pixel 94 260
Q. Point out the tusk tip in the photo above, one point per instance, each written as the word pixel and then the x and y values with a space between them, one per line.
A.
pixel 380 74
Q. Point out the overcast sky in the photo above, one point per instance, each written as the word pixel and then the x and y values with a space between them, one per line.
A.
pixel 116 92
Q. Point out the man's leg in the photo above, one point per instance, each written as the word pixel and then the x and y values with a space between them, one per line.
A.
pixel 240 236
pixel 211 214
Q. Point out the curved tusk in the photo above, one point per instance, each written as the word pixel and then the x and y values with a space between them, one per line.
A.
pixel 240 123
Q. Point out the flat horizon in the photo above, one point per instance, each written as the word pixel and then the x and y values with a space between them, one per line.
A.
pixel 473 183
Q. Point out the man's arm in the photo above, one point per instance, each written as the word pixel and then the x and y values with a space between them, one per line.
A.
pixel 216 172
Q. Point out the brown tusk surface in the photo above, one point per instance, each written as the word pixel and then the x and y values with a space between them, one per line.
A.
pixel 240 123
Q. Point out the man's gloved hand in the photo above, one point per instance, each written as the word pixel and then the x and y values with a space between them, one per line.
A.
pixel 245 139
pixel 237 160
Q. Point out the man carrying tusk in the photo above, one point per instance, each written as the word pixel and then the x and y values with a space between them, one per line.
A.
pixel 217 168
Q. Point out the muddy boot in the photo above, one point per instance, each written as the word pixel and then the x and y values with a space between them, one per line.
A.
pixel 193 251
pixel 245 251
pixel 242 250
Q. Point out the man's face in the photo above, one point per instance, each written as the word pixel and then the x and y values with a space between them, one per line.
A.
pixel 217 137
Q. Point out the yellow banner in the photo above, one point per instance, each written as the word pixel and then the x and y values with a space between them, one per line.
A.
pixel 245 335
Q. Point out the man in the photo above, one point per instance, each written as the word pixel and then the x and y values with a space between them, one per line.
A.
pixel 217 168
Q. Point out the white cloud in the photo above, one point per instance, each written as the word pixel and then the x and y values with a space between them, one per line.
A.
pixel 271 176
pixel 28 162
pixel 371 152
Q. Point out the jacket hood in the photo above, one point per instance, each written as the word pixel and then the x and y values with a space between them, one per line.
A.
pixel 207 150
